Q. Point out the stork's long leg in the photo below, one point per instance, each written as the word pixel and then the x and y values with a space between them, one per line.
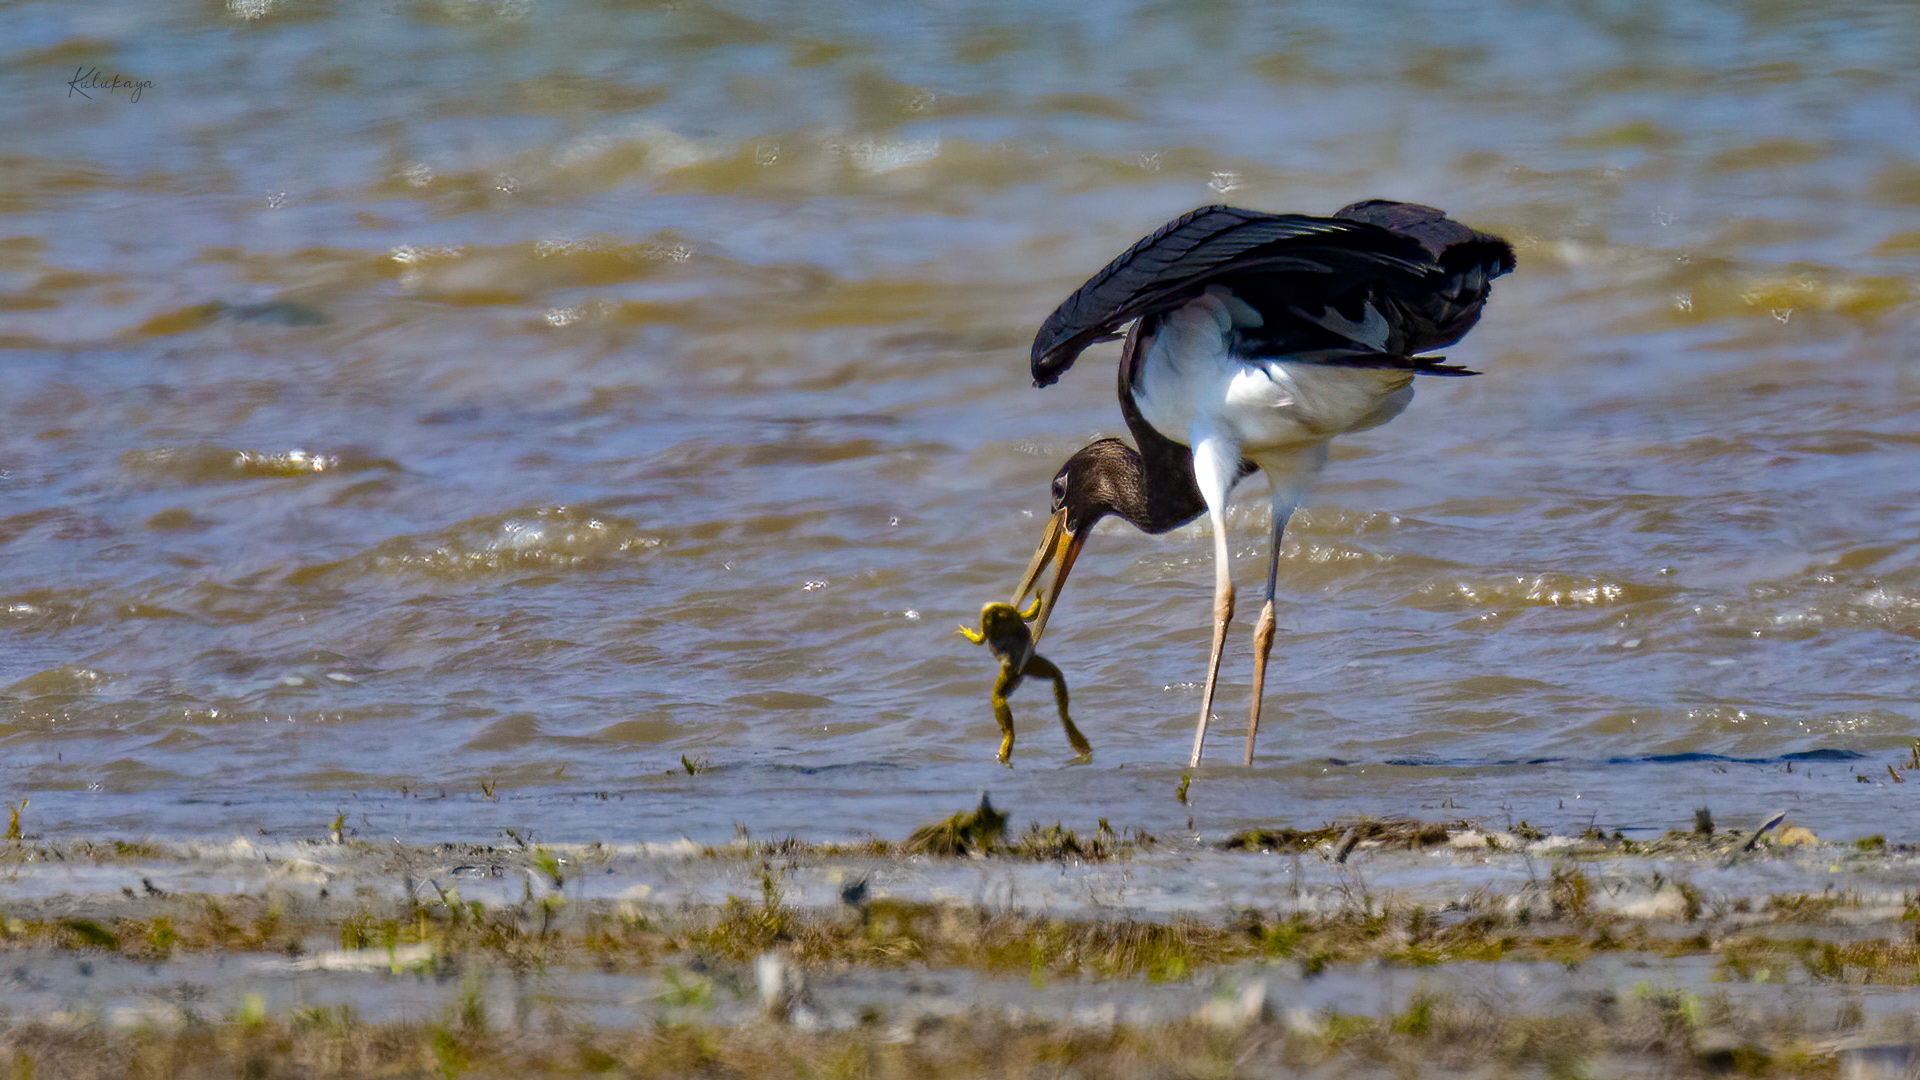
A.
pixel 1215 464
pixel 1283 507
pixel 1289 474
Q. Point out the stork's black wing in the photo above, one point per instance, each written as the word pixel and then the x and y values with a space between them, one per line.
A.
pixel 1167 268
pixel 1319 263
pixel 1465 262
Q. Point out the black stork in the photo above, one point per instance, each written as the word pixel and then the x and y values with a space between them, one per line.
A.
pixel 1256 339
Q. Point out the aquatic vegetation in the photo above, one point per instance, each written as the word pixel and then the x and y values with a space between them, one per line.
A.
pixel 703 959
pixel 1571 892
pixel 1366 834
pixel 889 932
pixel 983 831
pixel 1803 908
pixel 1572 912
pixel 1060 844
pixel 961 834
pixel 1392 833
pixel 1659 1031
pixel 980 833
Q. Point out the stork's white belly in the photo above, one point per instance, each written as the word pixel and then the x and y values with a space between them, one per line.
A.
pixel 1190 382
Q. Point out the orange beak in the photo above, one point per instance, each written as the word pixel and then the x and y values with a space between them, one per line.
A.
pixel 1058 544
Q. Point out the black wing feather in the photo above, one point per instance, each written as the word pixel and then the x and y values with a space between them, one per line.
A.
pixel 1403 255
pixel 1465 262
pixel 1162 270
pixel 1447 242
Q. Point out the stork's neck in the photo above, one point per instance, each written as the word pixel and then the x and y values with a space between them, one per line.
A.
pixel 1169 497
pixel 1151 488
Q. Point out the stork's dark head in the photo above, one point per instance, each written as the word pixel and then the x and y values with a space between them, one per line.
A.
pixel 1100 478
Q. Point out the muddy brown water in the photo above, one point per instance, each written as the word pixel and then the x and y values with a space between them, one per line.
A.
pixel 403 406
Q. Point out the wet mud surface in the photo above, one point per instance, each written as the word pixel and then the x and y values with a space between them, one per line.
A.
pixel 1398 945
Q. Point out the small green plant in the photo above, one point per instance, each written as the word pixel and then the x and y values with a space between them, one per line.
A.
pixel 161 936
pixel 448 1057
pixel 1338 1028
pixel 551 866
pixel 1692 900
pixel 91 934
pixel 1180 792
pixel 13 821
pixel 470 1008
pixel 696 766
pixel 770 895
pixel 1571 891
pixel 1676 1009
pixel 686 991
pixel 1280 939
pixel 1417 1021
pixel 359 931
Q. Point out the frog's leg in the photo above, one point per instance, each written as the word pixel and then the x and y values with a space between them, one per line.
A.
pixel 972 635
pixel 1032 612
pixel 1003 712
pixel 1041 666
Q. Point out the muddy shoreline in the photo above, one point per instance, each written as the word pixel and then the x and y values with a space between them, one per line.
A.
pixel 1414 947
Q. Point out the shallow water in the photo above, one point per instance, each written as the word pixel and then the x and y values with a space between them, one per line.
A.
pixel 455 415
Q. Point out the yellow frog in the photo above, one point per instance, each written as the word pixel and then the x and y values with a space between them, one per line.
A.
pixel 1003 629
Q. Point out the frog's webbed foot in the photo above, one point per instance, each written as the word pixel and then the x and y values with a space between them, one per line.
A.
pixel 1032 612
pixel 1079 742
pixel 971 634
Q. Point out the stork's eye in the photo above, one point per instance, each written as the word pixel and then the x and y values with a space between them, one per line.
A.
pixel 1059 490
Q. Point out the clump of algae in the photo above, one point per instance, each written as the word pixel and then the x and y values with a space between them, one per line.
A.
pixel 983 831
pixel 1388 833
pixel 961 834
